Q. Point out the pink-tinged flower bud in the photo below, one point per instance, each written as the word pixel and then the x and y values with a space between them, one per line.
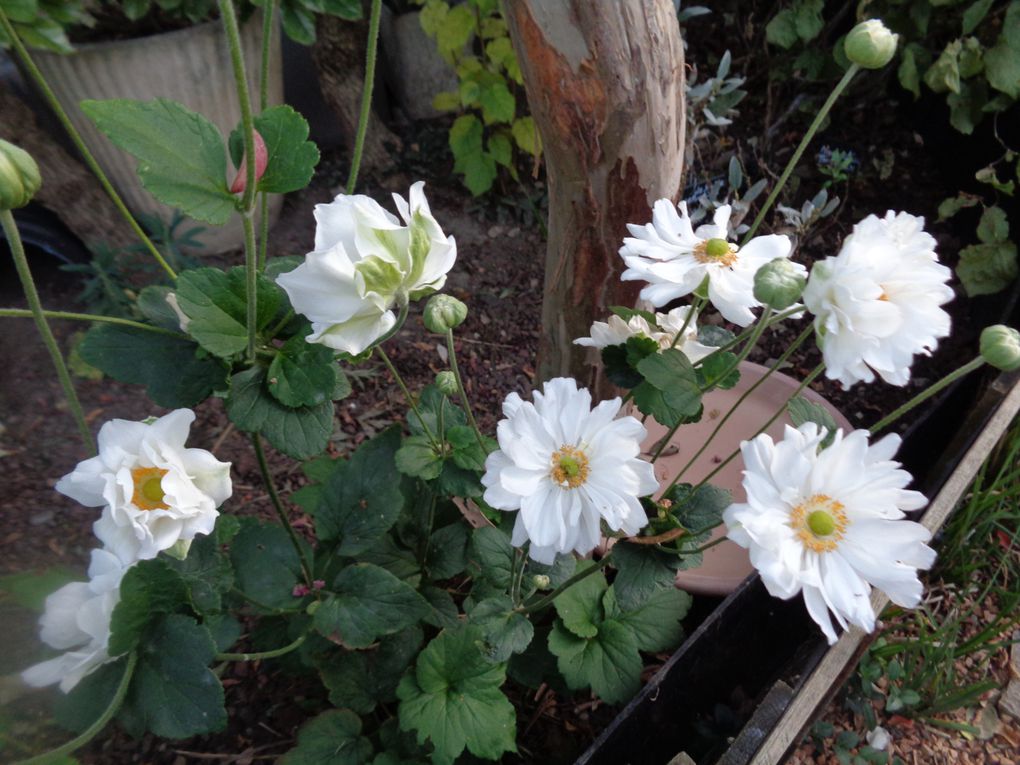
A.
pixel 300 590
pixel 261 161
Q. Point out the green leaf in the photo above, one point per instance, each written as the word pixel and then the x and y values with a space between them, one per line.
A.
pixel 446 102
pixel 985 269
pixel 173 693
pixel 332 738
pixel 360 680
pixel 298 22
pixel 444 612
pixel 492 555
pixel 216 303
pixel 348 10
pixel 453 698
pixel 718 371
pixel 1002 67
pixel 149 589
pixel 909 69
pixel 180 154
pixel 526 135
pixel 292 157
pixel 580 606
pixel 467 453
pixel 368 602
pixel 447 553
pixel 298 432
pixel 266 565
pixel 609 662
pixel 714 337
pixel 808 19
pixel 362 499
pixel 302 374
pixel 457 28
pixel 154 307
pixel 655 624
pixel 470 159
pixel 993 228
pixel 504 631
pixel 417 458
pixel 83 705
pixel 621 361
pixel 174 370
pixel 801 410
pixel 670 391
pixel 29 589
pixel 206 572
pixel 944 74
pixel 952 205
pixel 974 15
pixel 641 571
pixel 782 29
pixel 498 104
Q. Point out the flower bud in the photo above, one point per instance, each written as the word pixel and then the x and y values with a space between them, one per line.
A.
pixel 446 381
pixel 443 313
pixel 261 162
pixel 541 581
pixel 779 283
pixel 19 176
pixel 870 44
pixel 1000 347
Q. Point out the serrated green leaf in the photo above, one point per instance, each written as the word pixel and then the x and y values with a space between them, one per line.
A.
pixel 332 738
pixel 608 662
pixel 993 227
pixel 985 269
pixel 655 624
pixel 154 307
pixel 782 29
pixel 580 606
pixel 492 554
pixel 498 104
pixel 453 699
pixel 206 572
pixel 292 157
pixel 641 571
pixel 174 370
pixel 719 370
pixel 670 391
pixel 417 458
pixel 504 631
pixel 149 589
pixel 82 706
pixel 180 154
pixel 299 432
pixel 360 680
pixel 266 566
pixel 447 552
pixel 1002 67
pixel 714 337
pixel 467 453
pixel 302 374
pixel 974 15
pixel 526 135
pixel 444 612
pixel 801 410
pixel 470 159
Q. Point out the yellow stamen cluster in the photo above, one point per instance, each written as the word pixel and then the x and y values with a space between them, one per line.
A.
pixel 569 467
pixel 148 494
pixel 716 251
pixel 819 523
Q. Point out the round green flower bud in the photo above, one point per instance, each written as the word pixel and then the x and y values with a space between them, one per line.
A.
pixel 19 176
pixel 779 283
pixel 444 312
pixel 541 581
pixel 446 381
pixel 1000 347
pixel 870 44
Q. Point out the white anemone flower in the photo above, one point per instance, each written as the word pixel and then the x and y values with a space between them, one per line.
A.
pixel 566 468
pixel 830 523
pixel 877 303
pixel 675 259
pixel 155 493
pixel 365 262
pixel 77 621
pixel 667 326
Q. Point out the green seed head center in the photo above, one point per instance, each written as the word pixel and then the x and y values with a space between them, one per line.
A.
pixel 821 523
pixel 717 248
pixel 152 489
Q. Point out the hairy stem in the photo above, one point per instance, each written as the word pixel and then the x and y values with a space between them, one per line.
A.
pixel 926 394
pixel 21 313
pixel 538 605
pixel 366 94
pixel 281 511
pixel 263 654
pixel 407 394
pixel 462 391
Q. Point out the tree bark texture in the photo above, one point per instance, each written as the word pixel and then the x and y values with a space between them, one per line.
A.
pixel 605 83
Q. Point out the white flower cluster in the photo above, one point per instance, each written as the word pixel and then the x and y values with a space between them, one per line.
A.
pixel 156 495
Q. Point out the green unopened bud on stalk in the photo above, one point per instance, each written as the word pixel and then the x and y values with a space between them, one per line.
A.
pixel 541 581
pixel 446 381
pixel 1000 347
pixel 779 283
pixel 19 177
pixel 443 313
pixel 870 44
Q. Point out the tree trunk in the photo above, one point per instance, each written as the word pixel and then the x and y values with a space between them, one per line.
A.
pixel 605 83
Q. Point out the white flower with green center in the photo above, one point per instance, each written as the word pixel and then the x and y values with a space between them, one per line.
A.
pixel 155 493
pixel 877 303
pixel 366 261
pixel 77 621
pixel 830 523
pixel 675 259
pixel 567 468
pixel 667 326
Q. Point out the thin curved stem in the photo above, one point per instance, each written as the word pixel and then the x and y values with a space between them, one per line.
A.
pixel 366 93
pixel 21 313
pixel 697 305
pixel 778 317
pixel 95 728
pixel 462 391
pixel 281 511
pixel 10 229
pixel 538 605
pixel 263 654
pixel 801 147
pixel 79 143
pixel 407 394
pixel 926 394
pixel 268 17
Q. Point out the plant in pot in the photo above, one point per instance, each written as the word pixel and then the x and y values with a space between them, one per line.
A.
pixel 414 624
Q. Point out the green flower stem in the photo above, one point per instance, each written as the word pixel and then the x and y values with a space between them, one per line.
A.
pixel 263 654
pixel 538 605
pixel 95 728
pixel 281 511
pixel 21 313
pixel 816 123
pixel 697 306
pixel 366 94
pixel 263 607
pixel 78 142
pixel 423 549
pixel 229 18
pixel 251 274
pixel 407 394
pixel 695 551
pixel 926 394
pixel 32 296
pixel 280 325
pixel 268 17
pixel 263 230
pixel 775 319
pixel 461 390
pixel 739 402
pixel 516 566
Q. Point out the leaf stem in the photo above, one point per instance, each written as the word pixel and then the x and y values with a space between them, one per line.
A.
pixel 10 229
pixel 366 93
pixel 263 654
pixel 407 394
pixel 21 313
pixel 230 28
pixel 462 391
pixel 924 395
pixel 78 141
pixel 95 728
pixel 251 277
pixel 538 605
pixel 281 512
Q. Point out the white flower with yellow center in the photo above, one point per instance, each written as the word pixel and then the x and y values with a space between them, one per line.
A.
pixel 365 262
pixel 877 303
pixel 667 326
pixel 675 259
pixel 155 493
pixel 77 620
pixel 567 468
pixel 830 523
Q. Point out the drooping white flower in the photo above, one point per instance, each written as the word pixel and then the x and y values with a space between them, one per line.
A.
pixel 877 303
pixel 667 325
pixel 566 468
pixel 675 259
pixel 77 620
pixel 365 261
pixel 830 523
pixel 154 492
